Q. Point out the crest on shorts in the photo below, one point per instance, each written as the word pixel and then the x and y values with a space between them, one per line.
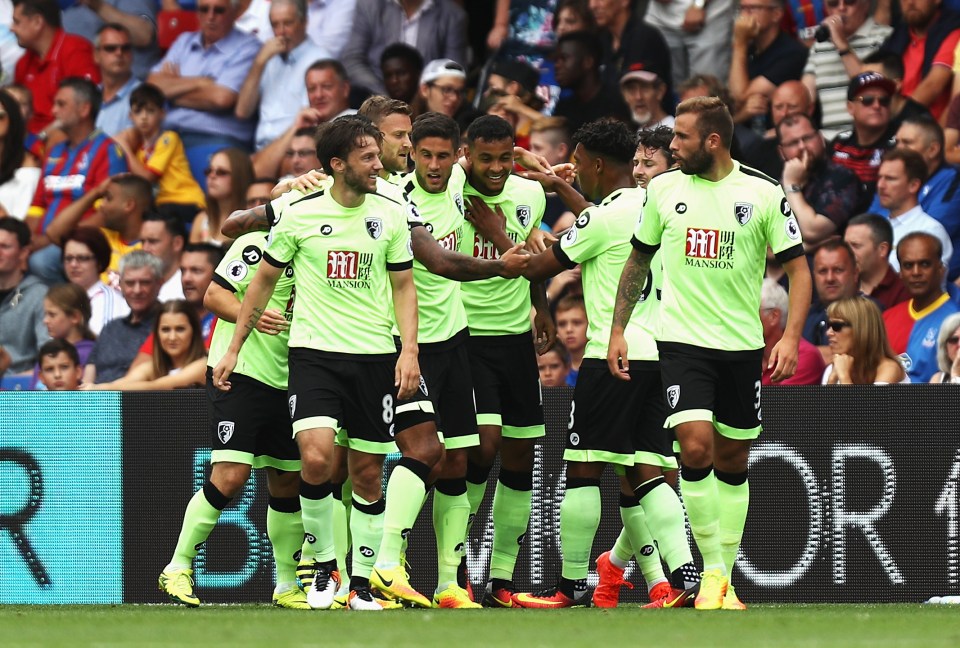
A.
pixel 523 215
pixel 673 396
pixel 374 227
pixel 423 386
pixel 743 212
pixel 225 431
pixel 292 401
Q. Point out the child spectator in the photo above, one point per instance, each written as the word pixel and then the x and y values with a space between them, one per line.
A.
pixel 66 314
pixel 60 366
pixel 159 156
pixel 571 317
pixel 554 366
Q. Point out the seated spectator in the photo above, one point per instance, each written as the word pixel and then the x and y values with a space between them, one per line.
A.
pixel 871 238
pixel 267 91
pixel 861 351
pixel 573 16
pixel 258 193
pixel 442 87
pixel 577 61
pixel 328 22
pixel 229 175
pixel 554 366
pixel 789 98
pixel 66 314
pixel 517 82
pixel 913 325
pixel 179 360
pixel 902 174
pixel 19 173
pixel 859 149
pixel 401 67
pixel 436 29
pixel 86 256
pixel 60 368
pixel 51 55
pixel 72 168
pixel 891 66
pixel 137 17
pixel 627 39
pixel 158 156
pixel 571 317
pixel 140 280
pixel 36 148
pixel 301 155
pixel 112 52
pixel 643 91
pixel 164 238
pixel 947 356
pixel 835 276
pixel 22 331
pixel 774 303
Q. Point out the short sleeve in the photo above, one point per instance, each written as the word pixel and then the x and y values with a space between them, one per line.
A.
pixel 582 242
pixel 780 224
pixel 282 243
pixel 163 152
pixel 237 267
pixel 649 228
pixel 400 249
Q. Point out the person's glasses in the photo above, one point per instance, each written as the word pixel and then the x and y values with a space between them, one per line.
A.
pixel 77 258
pixel 755 8
pixel 838 325
pixel 953 339
pixel 833 4
pixel 113 49
pixel 301 153
pixel 220 173
pixel 448 91
pixel 868 100
pixel 203 9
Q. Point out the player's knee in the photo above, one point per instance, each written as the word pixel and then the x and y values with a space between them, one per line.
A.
pixel 517 454
pixel 697 454
pixel 366 480
pixel 229 478
pixel 454 464
pixel 282 483
pixel 315 464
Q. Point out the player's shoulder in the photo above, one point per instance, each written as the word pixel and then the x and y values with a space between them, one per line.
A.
pixel 519 187
pixel 668 178
pixel 759 176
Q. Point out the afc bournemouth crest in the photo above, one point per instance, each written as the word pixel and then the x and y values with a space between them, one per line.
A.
pixel 523 215
pixel 743 212
pixel 225 431
pixel 374 227
pixel 458 199
pixel 673 396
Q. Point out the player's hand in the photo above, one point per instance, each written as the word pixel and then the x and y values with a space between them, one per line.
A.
pixel 221 373
pixel 487 221
pixel 566 171
pixel 783 359
pixel 538 240
pixel 546 180
pixel 515 261
pixel 309 181
pixel 546 331
pixel 272 322
pixel 407 375
pixel 531 161
pixel 617 360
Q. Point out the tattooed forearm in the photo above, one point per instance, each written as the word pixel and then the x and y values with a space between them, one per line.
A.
pixel 251 324
pixel 244 221
pixel 632 278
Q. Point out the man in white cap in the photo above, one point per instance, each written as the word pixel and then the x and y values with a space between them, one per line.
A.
pixel 643 90
pixel 442 85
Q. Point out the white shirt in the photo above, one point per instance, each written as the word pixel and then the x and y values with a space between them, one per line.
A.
pixel 410 27
pixel 172 288
pixel 16 194
pixel 329 22
pixel 106 304
pixel 916 220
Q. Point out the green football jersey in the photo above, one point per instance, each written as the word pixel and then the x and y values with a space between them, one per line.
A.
pixel 499 306
pixel 600 242
pixel 263 357
pixel 441 310
pixel 713 239
pixel 343 256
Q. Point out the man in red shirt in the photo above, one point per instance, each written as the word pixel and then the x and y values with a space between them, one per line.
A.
pixel 773 316
pixel 51 56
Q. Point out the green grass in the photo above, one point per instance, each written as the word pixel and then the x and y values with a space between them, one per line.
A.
pixel 626 627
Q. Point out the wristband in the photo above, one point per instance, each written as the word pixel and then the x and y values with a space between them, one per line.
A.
pixel 843 53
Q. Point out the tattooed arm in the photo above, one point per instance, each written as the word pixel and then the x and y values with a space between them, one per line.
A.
pixel 244 221
pixel 460 267
pixel 632 279
pixel 254 303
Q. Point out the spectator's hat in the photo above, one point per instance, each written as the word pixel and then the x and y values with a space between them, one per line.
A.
pixel 641 71
pixel 439 68
pixel 869 80
pixel 515 70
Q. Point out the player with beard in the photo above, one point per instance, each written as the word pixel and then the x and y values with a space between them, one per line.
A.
pixel 713 219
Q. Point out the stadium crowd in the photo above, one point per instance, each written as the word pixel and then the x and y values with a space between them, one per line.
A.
pixel 128 140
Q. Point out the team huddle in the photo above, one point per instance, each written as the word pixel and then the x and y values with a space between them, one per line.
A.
pixel 388 310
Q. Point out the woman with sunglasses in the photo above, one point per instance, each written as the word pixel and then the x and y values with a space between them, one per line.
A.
pixel 947 357
pixel 861 351
pixel 228 176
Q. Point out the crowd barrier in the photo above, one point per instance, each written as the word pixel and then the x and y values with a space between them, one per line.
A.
pixel 854 499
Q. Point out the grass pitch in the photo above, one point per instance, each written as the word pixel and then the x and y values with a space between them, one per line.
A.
pixel 261 625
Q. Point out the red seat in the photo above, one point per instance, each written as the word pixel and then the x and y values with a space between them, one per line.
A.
pixel 171 24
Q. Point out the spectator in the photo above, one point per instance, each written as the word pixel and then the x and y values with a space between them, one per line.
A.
pixel 197 264
pixel 229 175
pixel 164 238
pixel 22 331
pixel 926 39
pixel 51 55
pixel 572 16
pixel 74 167
pixel 834 62
pixel 36 147
pixel 577 62
pixel 137 17
pixel 401 67
pixel 698 34
pixel 301 155
pixel 862 354
pixel 871 238
pixel 200 76
pixel 19 172
pixel 60 368
pixel 258 193
pixel 628 40
pixel 437 29
pixel 328 22
pixel 902 173
pixel 764 57
pixel 774 302
pixel 835 276
pixel 179 360
pixel 113 54
pixel 284 57
pixel 571 318
pixel 822 194
pixel 66 314
pixel 947 344
pixel 550 139
pixel 159 157
pixel 140 279
pixel 913 325
pixel 517 83
pixel 868 100
pixel 891 66
pixel 643 91
pixel 86 256
pixel 790 97
pixel 554 366
pixel 442 86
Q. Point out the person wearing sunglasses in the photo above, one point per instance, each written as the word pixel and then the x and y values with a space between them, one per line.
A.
pixel 87 18
pixel 862 354
pixel 113 52
pixel 869 96
pixel 947 357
